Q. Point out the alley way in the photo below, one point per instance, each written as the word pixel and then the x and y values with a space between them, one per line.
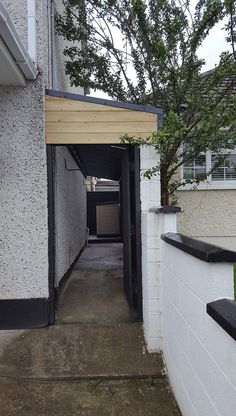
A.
pixel 93 362
pixel 94 293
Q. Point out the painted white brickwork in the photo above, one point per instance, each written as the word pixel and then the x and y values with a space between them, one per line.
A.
pixel 151 280
pixel 150 194
pixel 200 356
pixel 153 225
pixel 150 198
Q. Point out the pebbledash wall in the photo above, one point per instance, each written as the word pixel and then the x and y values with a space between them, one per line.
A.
pixel 70 211
pixel 23 177
pixel 23 173
pixel 189 312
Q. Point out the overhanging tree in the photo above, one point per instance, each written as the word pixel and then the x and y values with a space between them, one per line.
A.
pixel 145 52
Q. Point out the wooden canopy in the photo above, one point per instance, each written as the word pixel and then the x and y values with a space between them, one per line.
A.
pixel 78 119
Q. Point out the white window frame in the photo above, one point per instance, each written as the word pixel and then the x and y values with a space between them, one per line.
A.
pixel 208 183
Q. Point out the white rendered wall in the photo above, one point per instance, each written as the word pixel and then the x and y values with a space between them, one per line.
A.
pixel 60 81
pixel 200 356
pixel 70 211
pixel 208 213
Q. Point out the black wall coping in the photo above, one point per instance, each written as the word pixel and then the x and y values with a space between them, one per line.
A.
pixel 24 313
pixel 223 311
pixel 168 209
pixel 200 249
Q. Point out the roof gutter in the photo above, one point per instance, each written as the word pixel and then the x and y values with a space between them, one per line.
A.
pixel 15 46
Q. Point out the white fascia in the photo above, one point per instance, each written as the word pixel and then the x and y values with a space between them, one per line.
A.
pixel 12 40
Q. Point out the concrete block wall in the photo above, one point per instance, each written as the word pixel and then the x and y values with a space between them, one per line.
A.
pixel 150 230
pixel 150 193
pixel 151 281
pixel 200 356
pixel 70 211
pixel 153 226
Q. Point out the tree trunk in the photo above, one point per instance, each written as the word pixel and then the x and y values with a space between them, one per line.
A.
pixel 164 187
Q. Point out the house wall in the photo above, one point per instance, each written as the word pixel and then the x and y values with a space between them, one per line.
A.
pixel 70 210
pixel 23 181
pixel 209 215
pixel 23 194
pixel 60 81
pixel 200 356
pixel 23 175
pixel 17 10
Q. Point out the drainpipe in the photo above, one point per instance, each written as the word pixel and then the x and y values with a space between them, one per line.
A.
pixel 32 30
pixel 52 34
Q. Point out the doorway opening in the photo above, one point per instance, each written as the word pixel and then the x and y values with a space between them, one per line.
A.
pixel 95 261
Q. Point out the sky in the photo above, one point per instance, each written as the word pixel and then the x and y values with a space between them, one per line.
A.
pixel 213 45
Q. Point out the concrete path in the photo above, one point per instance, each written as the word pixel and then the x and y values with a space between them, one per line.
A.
pixel 94 293
pixel 93 362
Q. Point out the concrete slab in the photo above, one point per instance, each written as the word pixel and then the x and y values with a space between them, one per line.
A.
pixel 80 351
pixel 95 291
pixel 100 256
pixel 93 398
pixel 94 361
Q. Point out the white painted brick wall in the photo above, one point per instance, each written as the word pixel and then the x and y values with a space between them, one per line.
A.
pixel 200 356
pixel 152 226
pixel 149 188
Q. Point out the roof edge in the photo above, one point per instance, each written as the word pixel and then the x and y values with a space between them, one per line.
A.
pixel 102 101
pixel 12 40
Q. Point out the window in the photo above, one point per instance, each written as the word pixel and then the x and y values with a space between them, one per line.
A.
pixel 226 171
pixel 195 167
pixel 223 177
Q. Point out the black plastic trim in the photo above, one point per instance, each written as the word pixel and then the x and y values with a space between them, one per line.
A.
pixel 104 240
pixel 24 313
pixel 101 101
pixel 223 311
pixel 51 231
pixel 167 209
pixel 200 249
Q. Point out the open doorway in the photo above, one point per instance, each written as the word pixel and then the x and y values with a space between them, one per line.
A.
pixel 107 276
pixel 91 130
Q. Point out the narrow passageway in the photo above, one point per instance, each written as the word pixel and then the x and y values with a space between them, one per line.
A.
pixel 95 291
pixel 94 361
